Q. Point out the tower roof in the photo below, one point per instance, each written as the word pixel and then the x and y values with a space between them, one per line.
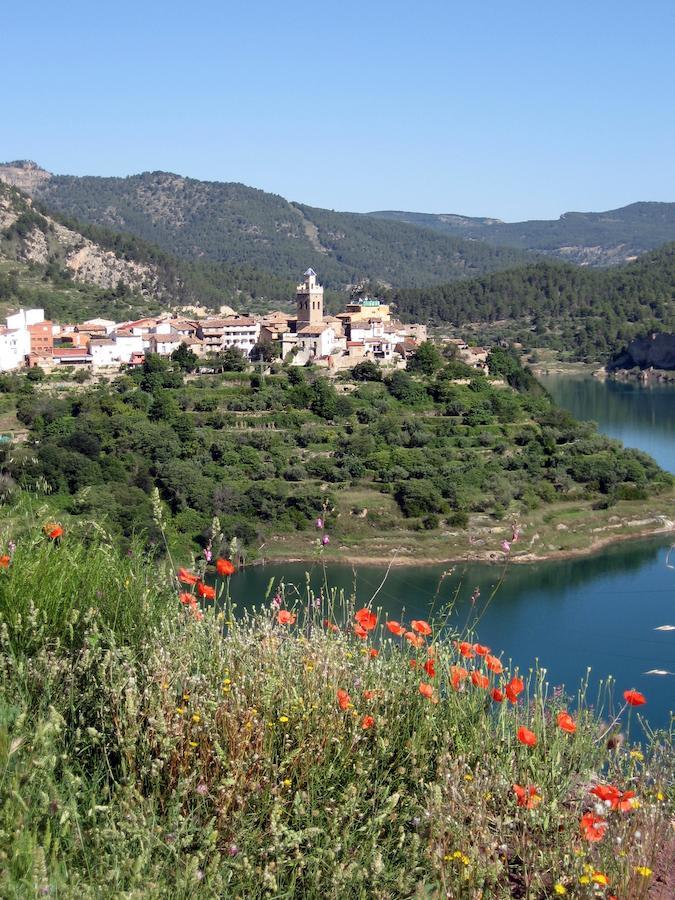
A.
pixel 311 271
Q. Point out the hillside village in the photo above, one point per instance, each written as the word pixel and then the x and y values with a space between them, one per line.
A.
pixel 366 330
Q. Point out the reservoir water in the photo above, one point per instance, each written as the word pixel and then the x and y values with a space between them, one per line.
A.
pixel 601 611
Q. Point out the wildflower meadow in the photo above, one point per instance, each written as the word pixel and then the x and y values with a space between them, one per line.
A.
pixel 162 737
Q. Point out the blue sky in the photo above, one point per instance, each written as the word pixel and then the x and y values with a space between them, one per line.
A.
pixel 511 109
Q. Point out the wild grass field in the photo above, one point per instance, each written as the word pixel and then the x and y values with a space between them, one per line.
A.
pixel 156 743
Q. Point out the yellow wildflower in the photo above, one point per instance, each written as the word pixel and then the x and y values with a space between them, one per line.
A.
pixel 559 889
pixel 193 743
pixel 457 854
pixel 283 719
pixel 468 777
pixel 186 697
pixel 465 859
pixel 248 725
pixel 637 754
pixel 165 685
pixel 645 871
pixel 600 878
pixel 196 718
pixel 659 796
pixel 287 782
pixel 227 681
pixel 584 879
pixel 180 711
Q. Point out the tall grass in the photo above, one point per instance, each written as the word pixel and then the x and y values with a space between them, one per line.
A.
pixel 144 753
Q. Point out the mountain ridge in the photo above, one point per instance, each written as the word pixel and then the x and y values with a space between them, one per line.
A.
pixel 605 238
pixel 234 223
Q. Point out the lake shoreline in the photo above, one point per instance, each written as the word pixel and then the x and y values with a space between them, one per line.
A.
pixel 493 557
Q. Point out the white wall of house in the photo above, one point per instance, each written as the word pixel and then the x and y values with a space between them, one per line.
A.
pixel 103 354
pixel 126 345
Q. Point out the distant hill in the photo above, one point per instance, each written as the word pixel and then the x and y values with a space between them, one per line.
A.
pixel 588 313
pixel 231 223
pixel 596 239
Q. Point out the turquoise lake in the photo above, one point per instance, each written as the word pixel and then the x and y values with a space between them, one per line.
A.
pixel 599 611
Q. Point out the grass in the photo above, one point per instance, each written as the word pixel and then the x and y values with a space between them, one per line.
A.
pixel 551 530
pixel 146 753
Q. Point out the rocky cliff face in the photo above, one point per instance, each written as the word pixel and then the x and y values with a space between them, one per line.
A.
pixel 654 351
pixel 35 238
pixel 24 174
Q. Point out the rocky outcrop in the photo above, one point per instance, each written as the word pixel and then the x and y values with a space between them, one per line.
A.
pixel 46 240
pixel 24 174
pixel 655 351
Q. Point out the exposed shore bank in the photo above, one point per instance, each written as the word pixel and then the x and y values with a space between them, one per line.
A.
pixel 522 553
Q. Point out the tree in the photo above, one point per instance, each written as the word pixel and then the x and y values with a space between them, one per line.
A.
pixel 185 358
pixel 367 371
pixel 426 359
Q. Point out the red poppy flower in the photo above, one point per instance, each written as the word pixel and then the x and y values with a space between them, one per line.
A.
pixel 224 567
pixel 566 722
pixel 55 532
pixel 366 619
pixel 367 722
pixel 497 695
pixel 466 649
pixel 608 793
pixel 481 649
pixel 415 639
pixel 480 680
pixel 197 614
pixel 186 577
pixel 494 664
pixel 396 628
pixel 627 802
pixel 286 617
pixel 426 690
pixel 634 698
pixel 206 591
pixel 421 627
pixel 514 687
pixel 412 663
pixel 372 653
pixel 527 796
pixel 331 626
pixel 368 695
pixel 187 599
pixel 593 827
pixel 5 561
pixel 457 676
pixel 527 737
pixel 429 668
pixel 360 632
pixel 343 699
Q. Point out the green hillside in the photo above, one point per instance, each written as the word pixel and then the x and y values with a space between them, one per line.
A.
pixel 242 226
pixel 588 312
pixel 587 238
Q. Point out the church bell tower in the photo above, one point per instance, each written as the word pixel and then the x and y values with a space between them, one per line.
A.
pixel 309 298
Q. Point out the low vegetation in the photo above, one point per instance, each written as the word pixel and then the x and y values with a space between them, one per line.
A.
pixel 158 741
pixel 416 452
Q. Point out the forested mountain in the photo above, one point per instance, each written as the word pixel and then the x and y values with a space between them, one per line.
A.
pixel 597 239
pixel 589 312
pixel 75 270
pixel 241 226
